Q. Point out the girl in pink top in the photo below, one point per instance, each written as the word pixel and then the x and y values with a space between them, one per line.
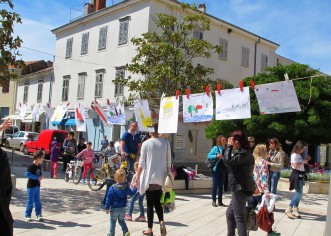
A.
pixel 88 156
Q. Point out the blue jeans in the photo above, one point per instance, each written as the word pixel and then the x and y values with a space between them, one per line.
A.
pixel 140 199
pixel 218 183
pixel 117 214
pixel 131 162
pixel 33 198
pixel 273 181
pixel 298 194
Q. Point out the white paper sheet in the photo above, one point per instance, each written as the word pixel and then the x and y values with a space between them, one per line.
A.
pixel 197 108
pixel 168 117
pixel 143 116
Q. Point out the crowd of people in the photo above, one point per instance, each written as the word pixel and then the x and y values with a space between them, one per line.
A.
pixel 250 170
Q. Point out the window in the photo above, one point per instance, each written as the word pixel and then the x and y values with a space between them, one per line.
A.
pixel 264 61
pixel 69 47
pixel 65 88
pixel 25 92
pixel 198 34
pixel 81 85
pixel 102 38
pixel 119 89
pixel 84 48
pixel 123 32
pixel 5 86
pixel 99 83
pixel 224 53
pixel 21 134
pixel 40 90
pixel 245 57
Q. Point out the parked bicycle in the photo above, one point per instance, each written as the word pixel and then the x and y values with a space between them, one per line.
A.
pixel 74 171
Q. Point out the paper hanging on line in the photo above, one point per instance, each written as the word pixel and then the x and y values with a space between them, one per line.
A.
pixel 278 97
pixel 197 108
pixel 168 117
pixel 59 113
pixel 116 113
pixel 143 116
pixel 80 117
pixel 233 104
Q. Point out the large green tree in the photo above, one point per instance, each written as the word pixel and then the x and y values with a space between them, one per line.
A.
pixel 165 58
pixel 9 44
pixel 312 124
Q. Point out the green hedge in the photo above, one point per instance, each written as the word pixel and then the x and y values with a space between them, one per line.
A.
pixel 325 177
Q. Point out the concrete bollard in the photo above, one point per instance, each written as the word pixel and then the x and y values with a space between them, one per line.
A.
pixel 12 154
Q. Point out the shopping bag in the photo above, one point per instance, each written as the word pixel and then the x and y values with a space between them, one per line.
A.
pixel 265 219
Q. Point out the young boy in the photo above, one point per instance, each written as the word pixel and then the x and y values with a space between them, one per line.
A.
pixel 33 187
pixel 116 202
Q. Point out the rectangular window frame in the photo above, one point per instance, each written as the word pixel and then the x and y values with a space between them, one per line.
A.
pixel 69 47
pixel 245 57
pixel 40 90
pixel 81 86
pixel 198 34
pixel 26 92
pixel 123 33
pixel 5 86
pixel 99 78
pixel 264 61
pixel 65 88
pixel 84 46
pixel 223 55
pixel 102 45
pixel 119 89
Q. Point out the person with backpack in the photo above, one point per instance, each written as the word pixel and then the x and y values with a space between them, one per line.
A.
pixel 218 171
pixel 70 149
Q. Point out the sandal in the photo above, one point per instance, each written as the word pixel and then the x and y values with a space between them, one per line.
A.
pixel 148 234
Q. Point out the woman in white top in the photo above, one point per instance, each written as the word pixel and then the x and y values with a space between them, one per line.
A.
pixel 154 162
pixel 296 178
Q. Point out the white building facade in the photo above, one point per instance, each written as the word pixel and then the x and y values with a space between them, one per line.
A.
pixel 91 51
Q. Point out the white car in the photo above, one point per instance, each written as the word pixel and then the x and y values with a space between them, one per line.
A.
pixel 18 139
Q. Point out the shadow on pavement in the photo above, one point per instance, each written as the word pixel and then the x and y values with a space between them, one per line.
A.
pixel 31 225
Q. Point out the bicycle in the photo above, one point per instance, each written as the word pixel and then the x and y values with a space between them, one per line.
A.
pixel 74 171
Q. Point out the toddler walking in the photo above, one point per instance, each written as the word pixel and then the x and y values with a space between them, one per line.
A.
pixel 54 158
pixel 88 156
pixel 116 202
pixel 136 197
pixel 33 187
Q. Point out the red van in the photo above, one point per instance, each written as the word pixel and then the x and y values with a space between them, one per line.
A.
pixel 43 141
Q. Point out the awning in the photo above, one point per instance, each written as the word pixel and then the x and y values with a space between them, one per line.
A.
pixel 62 122
pixel 28 118
pixel 70 122
pixel 12 117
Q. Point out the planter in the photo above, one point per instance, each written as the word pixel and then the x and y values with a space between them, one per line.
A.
pixel 309 187
pixel 202 186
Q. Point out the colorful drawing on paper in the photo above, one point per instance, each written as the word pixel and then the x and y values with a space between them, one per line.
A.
pixel 197 108
pixel 103 116
pixel 278 97
pixel 233 104
pixel 116 114
pixel 59 113
pixel 168 117
pixel 143 116
pixel 80 117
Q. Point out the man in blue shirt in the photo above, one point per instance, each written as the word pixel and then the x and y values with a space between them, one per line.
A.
pixel 131 144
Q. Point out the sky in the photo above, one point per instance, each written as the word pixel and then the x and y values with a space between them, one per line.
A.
pixel 301 27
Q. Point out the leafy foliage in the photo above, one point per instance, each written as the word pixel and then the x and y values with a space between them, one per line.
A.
pixel 165 58
pixel 9 44
pixel 312 124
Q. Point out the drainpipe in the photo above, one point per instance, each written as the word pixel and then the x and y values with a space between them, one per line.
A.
pixel 50 95
pixel 255 50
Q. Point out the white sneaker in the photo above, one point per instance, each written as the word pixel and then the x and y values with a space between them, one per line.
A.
pixel 40 218
pixel 28 219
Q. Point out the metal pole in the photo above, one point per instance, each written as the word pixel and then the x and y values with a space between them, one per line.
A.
pixel 12 154
pixel 328 214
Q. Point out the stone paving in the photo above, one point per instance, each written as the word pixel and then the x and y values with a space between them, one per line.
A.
pixel 71 209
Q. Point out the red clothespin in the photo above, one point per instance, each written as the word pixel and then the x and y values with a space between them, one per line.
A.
pixel 95 101
pixel 252 84
pixel 187 91
pixel 177 94
pixel 207 90
pixel 68 103
pixel 241 85
pixel 108 102
pixel 218 87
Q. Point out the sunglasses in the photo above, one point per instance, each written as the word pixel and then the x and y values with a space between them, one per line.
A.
pixel 251 141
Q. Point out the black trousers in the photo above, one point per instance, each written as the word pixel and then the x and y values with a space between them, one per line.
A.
pixel 66 159
pixel 153 201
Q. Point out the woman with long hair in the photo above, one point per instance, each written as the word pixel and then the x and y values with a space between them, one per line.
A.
pixel 219 170
pixel 240 161
pixel 276 163
pixel 296 178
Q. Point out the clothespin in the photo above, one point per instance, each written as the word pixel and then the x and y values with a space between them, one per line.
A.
pixel 108 102
pixel 68 103
pixel 207 90
pixel 95 101
pixel 177 94
pixel 218 87
pixel 241 85
pixel 287 79
pixel 187 91
pixel 92 106
pixel 252 84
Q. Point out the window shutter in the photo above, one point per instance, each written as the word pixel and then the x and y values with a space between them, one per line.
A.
pixel 264 61
pixel 123 31
pixel 102 38
pixel 84 47
pixel 245 57
pixel 69 47
pixel 224 54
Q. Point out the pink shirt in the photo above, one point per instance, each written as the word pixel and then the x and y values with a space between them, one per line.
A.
pixel 88 154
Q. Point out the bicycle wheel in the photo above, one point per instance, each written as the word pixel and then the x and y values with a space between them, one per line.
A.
pixel 67 174
pixel 77 175
pixel 99 180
